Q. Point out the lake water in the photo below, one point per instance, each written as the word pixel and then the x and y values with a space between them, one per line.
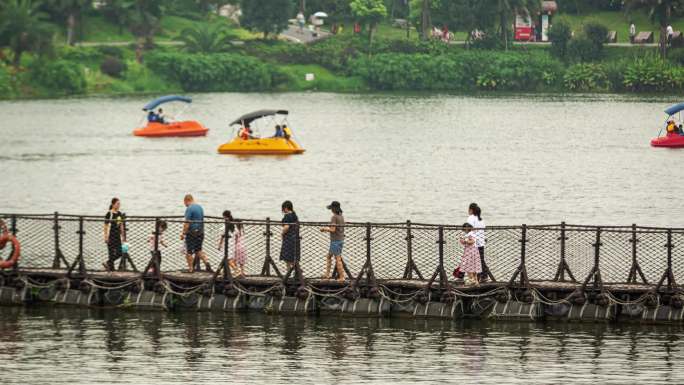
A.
pixel 524 159
pixel 79 346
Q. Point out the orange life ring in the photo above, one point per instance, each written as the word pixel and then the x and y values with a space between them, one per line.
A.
pixel 14 258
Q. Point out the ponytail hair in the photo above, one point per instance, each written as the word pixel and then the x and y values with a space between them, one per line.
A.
pixel 227 215
pixel 114 200
pixel 476 210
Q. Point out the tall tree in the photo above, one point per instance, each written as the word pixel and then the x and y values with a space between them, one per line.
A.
pixel 145 20
pixel 660 12
pixel 425 19
pixel 266 16
pixel 119 12
pixel 71 11
pixel 370 13
pixel 23 28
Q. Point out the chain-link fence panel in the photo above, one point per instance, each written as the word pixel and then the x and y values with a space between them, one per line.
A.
pixel 502 251
pixel 392 247
pixel 652 253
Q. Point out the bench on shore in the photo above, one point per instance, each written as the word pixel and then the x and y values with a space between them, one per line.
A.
pixel 644 37
pixel 677 40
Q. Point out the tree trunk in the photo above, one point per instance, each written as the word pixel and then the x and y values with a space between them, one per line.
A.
pixel 17 58
pixel 426 20
pixel 71 26
pixel 663 41
pixel 503 21
pixel 265 35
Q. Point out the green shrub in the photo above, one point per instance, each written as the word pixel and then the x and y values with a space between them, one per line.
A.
pixel 113 67
pixel 466 70
pixel 5 81
pixel 615 73
pixel 596 32
pixel 81 55
pixel 560 34
pixel 212 72
pixel 112 51
pixel 651 74
pixel 59 76
pixel 585 77
pixel 581 49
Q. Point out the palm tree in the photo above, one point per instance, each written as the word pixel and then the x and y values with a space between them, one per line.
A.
pixel 660 12
pixel 206 38
pixel 144 22
pixel 72 9
pixel 23 28
pixel 119 11
pixel 425 19
pixel 507 9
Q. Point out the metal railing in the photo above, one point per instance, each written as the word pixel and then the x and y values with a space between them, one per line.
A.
pixel 589 255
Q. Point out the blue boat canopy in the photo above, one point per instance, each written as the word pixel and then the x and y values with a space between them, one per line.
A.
pixel 165 99
pixel 674 109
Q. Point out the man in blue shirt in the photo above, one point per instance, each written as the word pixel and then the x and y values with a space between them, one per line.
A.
pixel 193 233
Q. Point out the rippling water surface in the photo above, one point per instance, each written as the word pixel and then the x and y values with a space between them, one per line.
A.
pixel 525 159
pixel 76 346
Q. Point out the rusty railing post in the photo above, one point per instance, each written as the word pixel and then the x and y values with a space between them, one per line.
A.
pixel 224 266
pixel 79 259
pixel 59 257
pixel 595 273
pixel 635 269
pixel 522 268
pixel 410 263
pixel 668 274
pixel 563 266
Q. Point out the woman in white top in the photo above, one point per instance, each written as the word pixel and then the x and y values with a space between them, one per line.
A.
pixel 475 220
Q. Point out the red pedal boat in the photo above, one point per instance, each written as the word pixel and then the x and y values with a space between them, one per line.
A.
pixel 159 126
pixel 674 136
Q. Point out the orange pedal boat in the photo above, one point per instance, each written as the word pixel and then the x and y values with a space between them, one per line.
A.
pixel 158 127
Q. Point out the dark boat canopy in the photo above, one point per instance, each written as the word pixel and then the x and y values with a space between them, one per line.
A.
pixel 248 118
pixel 674 109
pixel 165 99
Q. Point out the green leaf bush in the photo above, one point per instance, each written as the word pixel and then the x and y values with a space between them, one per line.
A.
pixel 212 72
pixel 59 76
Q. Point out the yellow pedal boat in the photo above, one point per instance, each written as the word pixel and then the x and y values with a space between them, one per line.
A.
pixel 246 140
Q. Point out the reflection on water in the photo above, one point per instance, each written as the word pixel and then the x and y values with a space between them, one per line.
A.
pixel 524 158
pixel 83 346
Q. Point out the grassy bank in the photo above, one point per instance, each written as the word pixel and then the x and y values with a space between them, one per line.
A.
pixel 338 64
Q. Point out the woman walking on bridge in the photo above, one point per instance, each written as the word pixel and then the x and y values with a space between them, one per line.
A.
pixel 289 248
pixel 114 233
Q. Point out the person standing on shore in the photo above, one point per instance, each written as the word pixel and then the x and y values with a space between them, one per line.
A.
pixel 289 248
pixel 632 32
pixel 301 21
pixel 336 230
pixel 478 224
pixel 114 233
pixel 193 233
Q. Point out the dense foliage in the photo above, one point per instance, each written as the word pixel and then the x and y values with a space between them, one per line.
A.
pixel 212 72
pixel 468 70
pixel 59 76
pixel 266 16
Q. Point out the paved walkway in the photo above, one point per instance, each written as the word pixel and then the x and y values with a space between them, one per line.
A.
pixel 292 33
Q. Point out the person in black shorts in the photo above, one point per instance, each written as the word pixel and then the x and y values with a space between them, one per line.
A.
pixel 114 233
pixel 193 233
